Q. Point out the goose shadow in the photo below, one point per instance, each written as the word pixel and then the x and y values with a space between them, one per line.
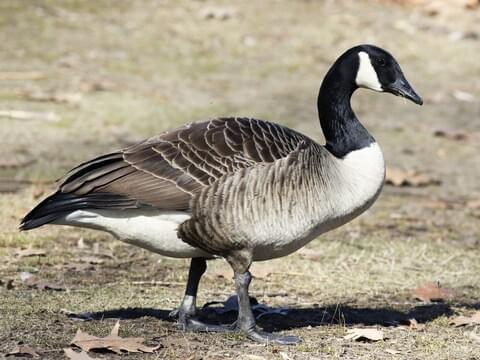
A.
pixel 278 319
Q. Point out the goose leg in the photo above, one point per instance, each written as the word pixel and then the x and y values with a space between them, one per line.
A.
pixel 187 311
pixel 188 306
pixel 240 262
pixel 246 320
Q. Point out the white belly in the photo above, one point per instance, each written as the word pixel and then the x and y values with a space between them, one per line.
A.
pixel 153 230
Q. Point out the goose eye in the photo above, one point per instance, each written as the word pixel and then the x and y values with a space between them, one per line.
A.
pixel 381 62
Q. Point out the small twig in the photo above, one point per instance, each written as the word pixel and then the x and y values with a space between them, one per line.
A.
pixel 29 115
pixel 21 75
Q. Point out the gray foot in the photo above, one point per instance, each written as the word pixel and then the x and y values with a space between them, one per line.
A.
pixel 193 324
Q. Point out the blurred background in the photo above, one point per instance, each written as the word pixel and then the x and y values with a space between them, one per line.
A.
pixel 80 78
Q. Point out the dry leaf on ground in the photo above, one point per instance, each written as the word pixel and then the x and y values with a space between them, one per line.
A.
pixel 474 336
pixel 30 252
pixel 463 96
pixel 58 97
pixel 23 350
pixel 29 115
pixel 392 351
pixel 33 281
pixel 473 204
pixel 431 292
pixel 397 177
pixel 310 254
pixel 466 320
pixel 112 342
pixel 262 271
pixel 364 334
pixel 413 324
pixel 21 75
pixel 74 355
pixel 451 134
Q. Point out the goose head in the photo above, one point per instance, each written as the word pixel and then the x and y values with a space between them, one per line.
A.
pixel 379 71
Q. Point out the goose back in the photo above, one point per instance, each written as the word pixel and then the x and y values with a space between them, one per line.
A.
pixel 167 170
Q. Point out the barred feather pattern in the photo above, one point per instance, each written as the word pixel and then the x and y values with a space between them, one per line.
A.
pixel 273 209
pixel 167 170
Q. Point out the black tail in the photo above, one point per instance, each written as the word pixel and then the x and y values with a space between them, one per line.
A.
pixel 60 204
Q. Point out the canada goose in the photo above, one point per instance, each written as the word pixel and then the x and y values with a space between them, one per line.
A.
pixel 238 188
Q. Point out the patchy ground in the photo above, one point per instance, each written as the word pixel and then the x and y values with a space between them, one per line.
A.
pixel 88 77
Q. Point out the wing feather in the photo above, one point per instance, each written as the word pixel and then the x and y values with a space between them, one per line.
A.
pixel 167 170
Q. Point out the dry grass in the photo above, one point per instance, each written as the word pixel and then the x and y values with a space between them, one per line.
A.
pixel 162 64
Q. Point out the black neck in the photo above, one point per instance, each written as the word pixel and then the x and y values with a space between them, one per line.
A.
pixel 343 131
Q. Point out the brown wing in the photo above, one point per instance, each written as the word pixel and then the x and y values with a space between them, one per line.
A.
pixel 165 171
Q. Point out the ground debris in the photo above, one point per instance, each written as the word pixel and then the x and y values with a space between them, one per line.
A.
pixel 29 115
pixel 74 355
pixel 367 334
pixel 392 351
pixel 474 336
pixel 111 342
pixel 398 177
pixel 8 284
pixel 23 351
pixel 432 292
pixel 451 134
pixel 29 252
pixel 34 281
pixel 412 324
pixel 458 321
pixel 87 316
pixel 217 13
pixel 15 162
pixel 21 75
pixel 51 96
pixel 463 96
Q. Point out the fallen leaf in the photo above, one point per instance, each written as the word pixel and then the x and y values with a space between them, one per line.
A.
pixel 431 292
pixel 392 352
pixel 97 85
pixel 58 97
pixel 23 350
pixel 217 13
pixel 14 162
pixel 364 334
pixel 413 325
pixel 74 355
pixel 285 356
pixel 29 252
pixel 261 271
pixel 39 191
pixel 474 336
pixel 451 134
pixel 397 177
pixel 310 254
pixel 463 96
pixel 33 281
pixel 29 115
pixel 223 272
pixel 94 260
pixel 472 4
pixel 21 75
pixel 466 320
pixel 473 204
pixel 253 357
pixel 112 342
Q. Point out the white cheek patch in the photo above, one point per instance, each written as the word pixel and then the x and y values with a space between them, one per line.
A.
pixel 366 74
